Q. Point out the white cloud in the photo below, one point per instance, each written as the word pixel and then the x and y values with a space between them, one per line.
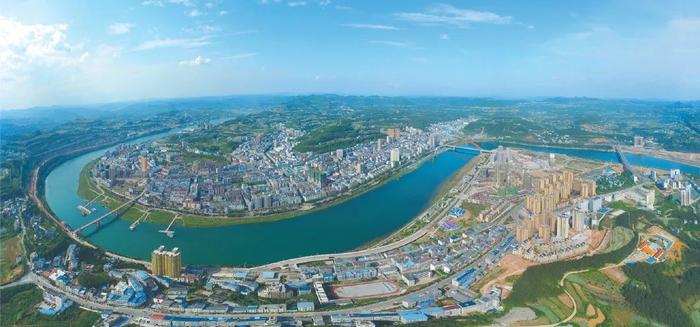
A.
pixel 444 14
pixel 223 12
pixel 84 57
pixel 24 47
pixel 324 3
pixel 173 43
pixel 120 28
pixel 194 13
pixel 397 44
pixel 186 3
pixel 202 29
pixel 196 61
pixel 662 62
pixel 444 37
pixel 371 26
pixel 161 3
pixel 155 3
pixel 296 3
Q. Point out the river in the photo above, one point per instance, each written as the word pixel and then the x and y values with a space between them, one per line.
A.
pixel 633 158
pixel 339 228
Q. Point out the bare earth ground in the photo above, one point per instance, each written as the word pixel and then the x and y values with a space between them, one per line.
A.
pixel 616 274
pixel 514 316
pixel 599 318
pixel 599 240
pixel 513 266
pixel 566 300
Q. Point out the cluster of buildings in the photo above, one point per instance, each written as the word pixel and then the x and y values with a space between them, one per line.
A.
pixel 264 173
pixel 125 288
pixel 54 303
pixel 62 265
pixel 552 192
pixel 675 181
pixel 545 251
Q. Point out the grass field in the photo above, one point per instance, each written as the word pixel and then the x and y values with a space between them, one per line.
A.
pixel 10 248
pixel 474 209
pixel 695 314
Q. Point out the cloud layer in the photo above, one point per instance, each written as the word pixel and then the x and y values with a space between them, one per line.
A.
pixel 196 61
pixel 443 14
pixel 120 28
pixel 372 26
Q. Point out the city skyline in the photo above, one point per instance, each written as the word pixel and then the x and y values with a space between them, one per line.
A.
pixel 65 52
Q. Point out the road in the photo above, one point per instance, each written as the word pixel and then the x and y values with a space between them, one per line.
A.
pixel 29 278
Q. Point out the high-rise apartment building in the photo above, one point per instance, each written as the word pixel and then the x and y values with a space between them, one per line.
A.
pixel 393 132
pixel 166 263
pixel 686 197
pixel 395 157
pixel 563 227
pixel 579 220
pixel 143 162
pixel 650 199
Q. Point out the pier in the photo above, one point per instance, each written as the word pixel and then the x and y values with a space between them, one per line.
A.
pixel 136 223
pixel 83 210
pixel 94 199
pixel 167 230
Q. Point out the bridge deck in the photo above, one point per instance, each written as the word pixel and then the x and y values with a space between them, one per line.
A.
pixel 100 218
pixel 625 164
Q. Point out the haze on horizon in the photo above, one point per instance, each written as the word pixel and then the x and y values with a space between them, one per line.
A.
pixel 73 52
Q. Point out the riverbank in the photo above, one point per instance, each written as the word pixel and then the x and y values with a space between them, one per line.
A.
pixel 417 223
pixel 687 158
pixel 87 189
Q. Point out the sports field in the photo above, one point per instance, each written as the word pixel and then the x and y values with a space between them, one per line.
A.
pixel 366 290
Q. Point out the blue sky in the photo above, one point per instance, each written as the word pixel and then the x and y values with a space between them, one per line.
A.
pixel 72 52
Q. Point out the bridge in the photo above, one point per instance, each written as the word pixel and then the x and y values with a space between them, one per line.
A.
pixel 621 155
pixel 100 218
pixel 467 148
